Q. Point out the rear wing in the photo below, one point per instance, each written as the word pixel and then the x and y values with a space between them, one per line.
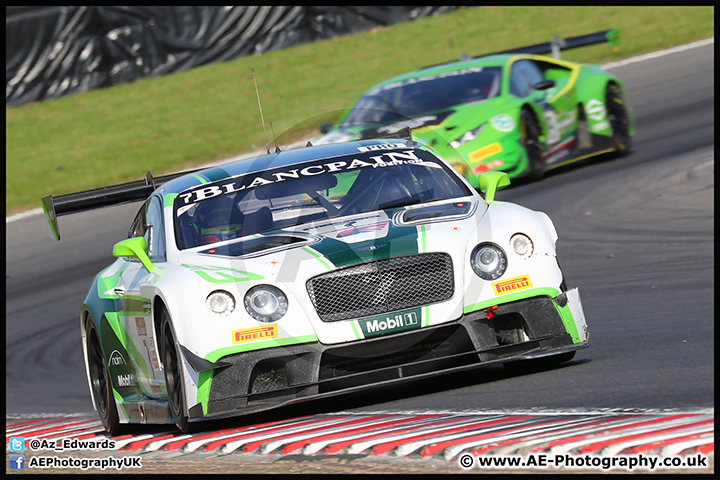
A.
pixel 127 192
pixel 101 197
pixel 554 46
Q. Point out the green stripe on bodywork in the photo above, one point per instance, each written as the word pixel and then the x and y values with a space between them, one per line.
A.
pixel 169 199
pixel 203 391
pixel 426 316
pixel 199 178
pixel 121 402
pixel 423 236
pixel 318 256
pixel 215 355
pixel 114 323
pixel 358 335
pixel 511 297
pixel 222 274
pixel 569 322
pixel 117 327
pixel 564 312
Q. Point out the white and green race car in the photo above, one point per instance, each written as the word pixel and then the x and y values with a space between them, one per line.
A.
pixel 314 272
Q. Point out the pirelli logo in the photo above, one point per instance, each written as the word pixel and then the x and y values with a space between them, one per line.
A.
pixel 512 285
pixel 485 152
pixel 254 333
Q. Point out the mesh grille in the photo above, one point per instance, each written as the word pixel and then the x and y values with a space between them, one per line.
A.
pixel 382 286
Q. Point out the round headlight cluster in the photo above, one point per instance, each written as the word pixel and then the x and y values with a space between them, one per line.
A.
pixel 488 261
pixel 521 245
pixel 220 303
pixel 266 303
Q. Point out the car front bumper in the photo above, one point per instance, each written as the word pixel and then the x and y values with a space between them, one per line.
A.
pixel 519 330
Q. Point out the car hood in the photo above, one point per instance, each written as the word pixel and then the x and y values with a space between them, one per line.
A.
pixel 290 257
pixel 350 239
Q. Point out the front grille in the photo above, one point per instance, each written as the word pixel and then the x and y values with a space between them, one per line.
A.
pixel 382 286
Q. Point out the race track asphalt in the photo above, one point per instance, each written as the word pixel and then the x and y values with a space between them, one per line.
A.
pixel 636 235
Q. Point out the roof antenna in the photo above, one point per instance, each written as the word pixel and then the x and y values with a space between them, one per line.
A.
pixel 267 144
pixel 277 149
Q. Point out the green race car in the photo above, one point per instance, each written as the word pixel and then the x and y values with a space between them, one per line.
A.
pixel 516 111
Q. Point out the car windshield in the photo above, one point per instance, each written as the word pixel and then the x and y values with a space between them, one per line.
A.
pixel 393 177
pixel 420 95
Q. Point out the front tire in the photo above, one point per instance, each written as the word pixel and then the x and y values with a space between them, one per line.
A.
pixel 173 376
pixel 100 384
pixel 618 118
pixel 530 134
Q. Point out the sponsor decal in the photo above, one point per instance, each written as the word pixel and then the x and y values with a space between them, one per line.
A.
pixel 152 355
pixel 391 323
pixel 600 126
pixel 382 146
pixel 140 325
pixel 128 380
pixel 595 109
pixel 254 333
pixel 353 230
pixel 553 129
pixel 486 151
pixel 491 165
pixel 155 389
pixel 565 120
pixel 503 123
pixel 361 229
pixel 512 285
pixel 116 358
pixel 372 248
pixel 236 184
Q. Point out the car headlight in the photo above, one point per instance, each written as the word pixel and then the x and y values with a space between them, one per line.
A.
pixel 266 303
pixel 220 303
pixel 468 136
pixel 488 261
pixel 521 245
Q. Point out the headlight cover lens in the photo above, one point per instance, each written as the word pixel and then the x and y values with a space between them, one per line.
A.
pixel 220 303
pixel 488 261
pixel 266 303
pixel 468 136
pixel 521 245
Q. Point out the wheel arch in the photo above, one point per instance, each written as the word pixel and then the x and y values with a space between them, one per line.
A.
pixel 86 318
pixel 158 307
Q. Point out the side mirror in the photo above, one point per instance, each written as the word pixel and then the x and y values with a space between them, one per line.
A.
pixel 326 127
pixel 135 247
pixel 490 182
pixel 544 85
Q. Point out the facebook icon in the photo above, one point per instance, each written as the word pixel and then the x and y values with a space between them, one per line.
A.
pixel 17 444
pixel 17 462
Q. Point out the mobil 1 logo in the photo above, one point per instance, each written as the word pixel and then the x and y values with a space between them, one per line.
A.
pixel 390 323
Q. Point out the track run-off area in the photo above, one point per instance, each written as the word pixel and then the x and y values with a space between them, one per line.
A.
pixel 682 440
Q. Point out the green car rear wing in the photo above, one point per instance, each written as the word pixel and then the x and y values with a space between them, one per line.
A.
pixel 101 197
pixel 557 44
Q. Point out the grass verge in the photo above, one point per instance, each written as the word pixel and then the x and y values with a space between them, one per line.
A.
pixel 209 113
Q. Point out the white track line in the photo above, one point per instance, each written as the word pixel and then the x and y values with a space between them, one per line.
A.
pixel 660 53
pixel 628 61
